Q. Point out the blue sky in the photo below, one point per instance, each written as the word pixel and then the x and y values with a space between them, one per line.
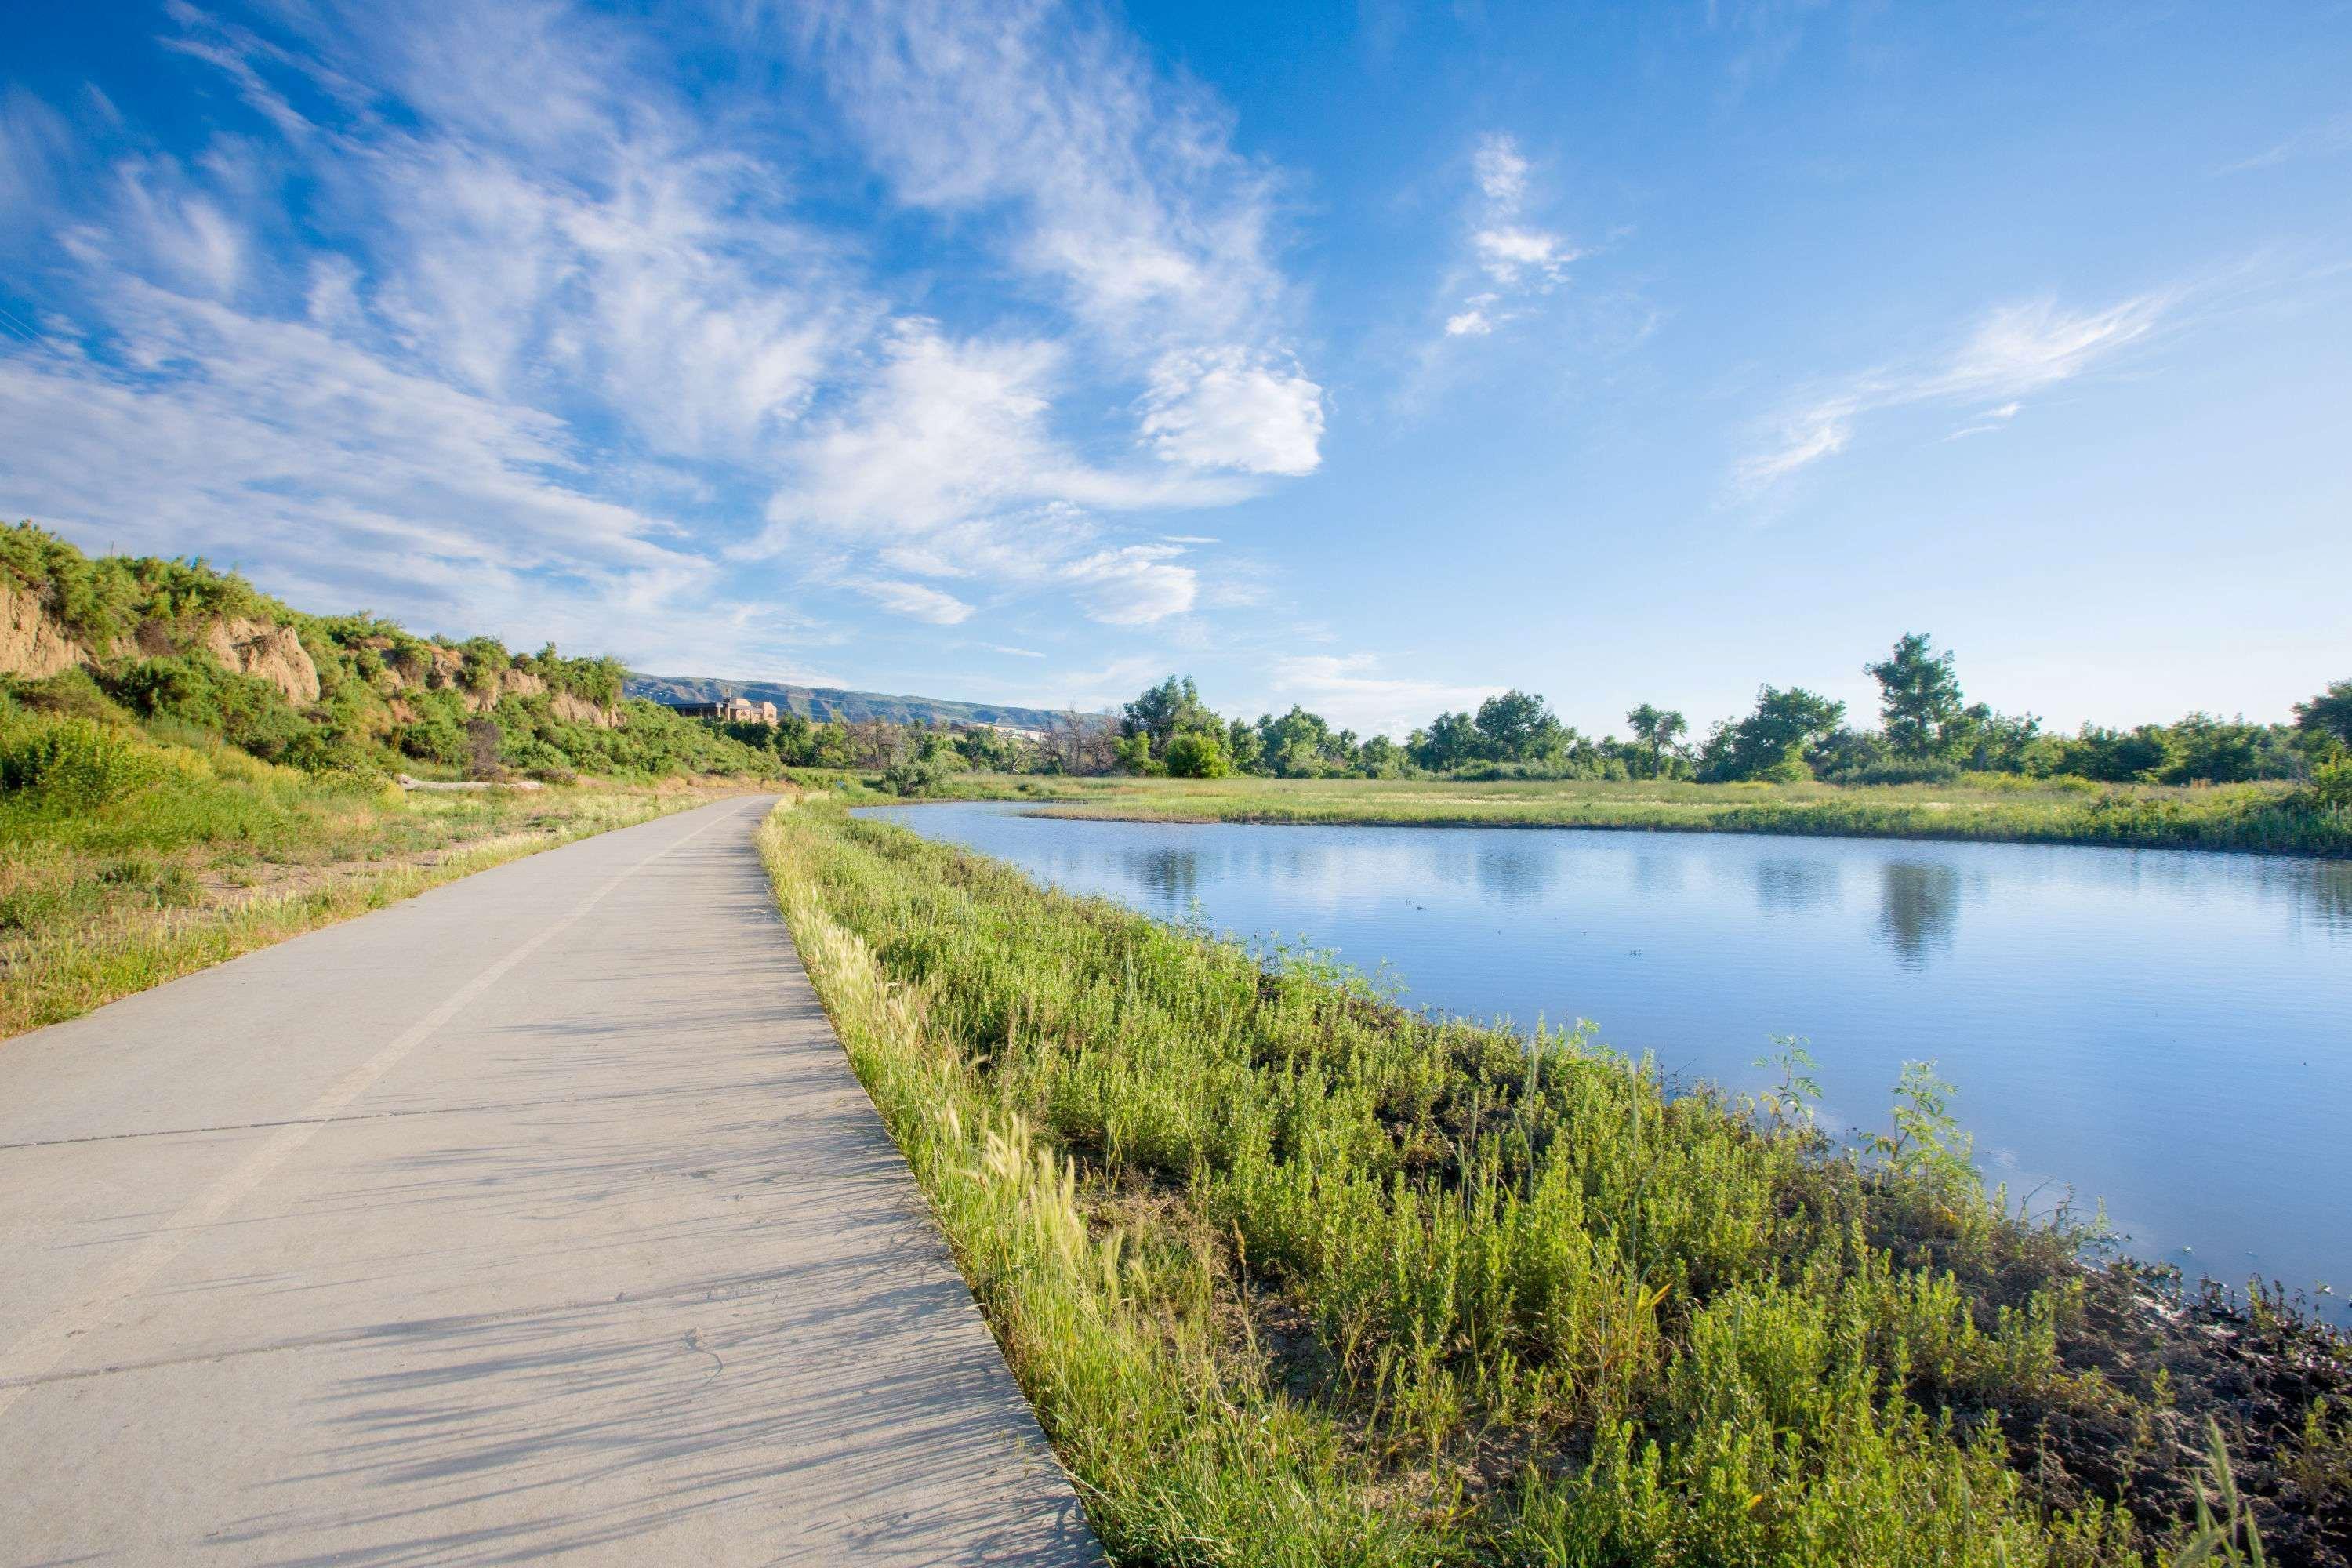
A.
pixel 1370 356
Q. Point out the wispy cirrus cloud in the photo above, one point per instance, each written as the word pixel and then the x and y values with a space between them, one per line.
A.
pixel 2327 136
pixel 1510 262
pixel 1114 186
pixel 469 314
pixel 2011 353
pixel 914 599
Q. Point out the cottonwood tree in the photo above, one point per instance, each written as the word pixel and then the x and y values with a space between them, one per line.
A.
pixel 1519 727
pixel 1772 740
pixel 2329 713
pixel 1656 727
pixel 1919 702
pixel 1164 712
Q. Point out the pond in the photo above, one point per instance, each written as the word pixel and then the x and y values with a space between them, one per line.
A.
pixel 2170 1033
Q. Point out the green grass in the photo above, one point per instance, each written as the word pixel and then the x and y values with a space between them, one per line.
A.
pixel 128 858
pixel 1292 1277
pixel 2269 818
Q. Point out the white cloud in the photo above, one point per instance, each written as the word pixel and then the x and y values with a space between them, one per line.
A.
pixel 1350 690
pixel 946 432
pixel 2014 351
pixel 1134 586
pixel 1221 409
pixel 260 440
pixel 1502 172
pixel 1127 185
pixel 481 322
pixel 914 599
pixel 1508 263
pixel 1123 189
pixel 1512 255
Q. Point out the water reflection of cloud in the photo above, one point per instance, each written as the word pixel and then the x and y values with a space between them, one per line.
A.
pixel 1654 873
pixel 1919 907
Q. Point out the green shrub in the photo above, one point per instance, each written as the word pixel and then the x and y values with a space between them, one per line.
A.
pixel 915 776
pixel 72 764
pixel 244 710
pixel 2331 785
pixel 102 600
pixel 69 693
pixel 1197 755
pixel 1896 770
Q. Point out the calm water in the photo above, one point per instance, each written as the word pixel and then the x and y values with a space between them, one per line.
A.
pixel 2169 1032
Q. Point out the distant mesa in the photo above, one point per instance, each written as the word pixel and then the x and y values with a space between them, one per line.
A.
pixel 710 698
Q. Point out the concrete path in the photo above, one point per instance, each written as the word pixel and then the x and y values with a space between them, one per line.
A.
pixel 539 1216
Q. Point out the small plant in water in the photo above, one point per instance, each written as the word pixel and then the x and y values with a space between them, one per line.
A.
pixel 1796 1100
pixel 1927 1144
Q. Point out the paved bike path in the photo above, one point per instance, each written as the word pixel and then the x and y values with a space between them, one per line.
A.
pixel 537 1217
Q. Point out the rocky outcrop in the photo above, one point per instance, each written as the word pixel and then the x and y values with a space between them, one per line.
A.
pixel 33 643
pixel 579 710
pixel 270 653
pixel 431 668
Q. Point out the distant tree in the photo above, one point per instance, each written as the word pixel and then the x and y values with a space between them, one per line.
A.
pixel 1846 750
pixel 1656 727
pixel 1380 757
pixel 1135 754
pixel 793 740
pixel 1772 742
pixel 1519 727
pixel 1451 741
pixel 1919 702
pixel 2329 713
pixel 1197 754
pixel 832 746
pixel 1243 749
pixel 992 751
pixel 1164 711
pixel 1299 744
pixel 1985 741
pixel 2204 749
pixel 2117 756
pixel 1084 743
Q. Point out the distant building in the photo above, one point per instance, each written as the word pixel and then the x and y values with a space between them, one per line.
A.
pixel 729 710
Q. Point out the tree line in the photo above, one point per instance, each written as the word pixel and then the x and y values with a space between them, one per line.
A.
pixel 1927 732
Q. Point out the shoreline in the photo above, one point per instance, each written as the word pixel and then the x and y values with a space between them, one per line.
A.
pixel 1079 813
pixel 1007 1027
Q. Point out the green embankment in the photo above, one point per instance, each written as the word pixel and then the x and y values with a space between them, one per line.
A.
pixel 2266 818
pixel 190 770
pixel 126 861
pixel 1292 1277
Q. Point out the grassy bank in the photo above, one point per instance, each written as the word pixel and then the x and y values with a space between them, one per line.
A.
pixel 134 861
pixel 2266 818
pixel 1292 1277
